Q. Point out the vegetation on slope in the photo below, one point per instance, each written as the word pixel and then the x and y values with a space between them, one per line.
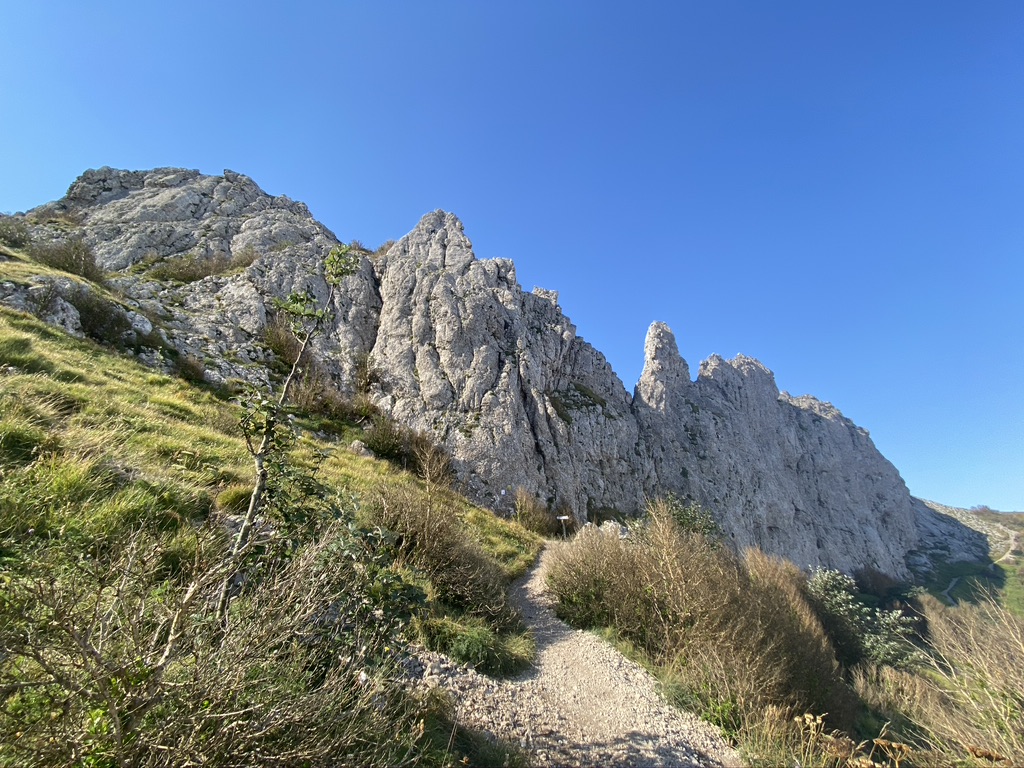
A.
pixel 119 489
pixel 797 669
pixel 1001 576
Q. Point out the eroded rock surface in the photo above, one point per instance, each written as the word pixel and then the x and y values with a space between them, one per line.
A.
pixel 495 373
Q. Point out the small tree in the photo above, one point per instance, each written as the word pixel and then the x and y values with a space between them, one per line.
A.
pixel 858 631
pixel 265 435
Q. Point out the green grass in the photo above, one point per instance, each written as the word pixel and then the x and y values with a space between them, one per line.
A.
pixel 95 448
pixel 980 580
pixel 72 401
pixel 471 640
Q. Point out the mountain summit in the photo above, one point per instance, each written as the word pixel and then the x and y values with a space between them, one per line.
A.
pixel 452 345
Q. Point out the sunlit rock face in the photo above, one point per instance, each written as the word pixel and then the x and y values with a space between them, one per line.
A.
pixel 495 373
pixel 789 475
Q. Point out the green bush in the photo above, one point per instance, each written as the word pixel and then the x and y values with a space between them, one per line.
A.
pixel 858 631
pixel 689 516
pixel 388 440
pixel 72 255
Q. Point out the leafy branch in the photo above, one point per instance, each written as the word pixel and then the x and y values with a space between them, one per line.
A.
pixel 265 437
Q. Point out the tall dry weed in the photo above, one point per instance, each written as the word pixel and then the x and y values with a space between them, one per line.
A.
pixel 977 680
pixel 431 540
pixel 731 636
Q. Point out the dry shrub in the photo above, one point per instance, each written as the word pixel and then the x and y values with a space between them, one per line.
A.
pixel 365 373
pixel 730 637
pixel 279 339
pixel 586 574
pixel 72 255
pixel 387 439
pixel 410 450
pixel 779 735
pixel 14 232
pixel 968 702
pixel 977 679
pixel 431 539
pixel 316 395
pixel 105 664
pixel 534 516
pixel 804 642
pixel 190 368
pixel 433 463
pixel 193 267
pixel 101 319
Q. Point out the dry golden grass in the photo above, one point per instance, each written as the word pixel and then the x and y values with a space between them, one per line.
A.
pixel 968 702
pixel 729 637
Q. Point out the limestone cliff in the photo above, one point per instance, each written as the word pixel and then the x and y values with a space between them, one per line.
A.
pixel 497 374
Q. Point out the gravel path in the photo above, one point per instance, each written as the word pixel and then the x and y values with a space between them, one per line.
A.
pixel 583 703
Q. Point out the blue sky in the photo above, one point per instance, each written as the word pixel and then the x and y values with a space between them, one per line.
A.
pixel 836 189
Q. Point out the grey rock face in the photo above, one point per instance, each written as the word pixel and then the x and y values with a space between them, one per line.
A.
pixel 953 535
pixel 789 475
pixel 498 374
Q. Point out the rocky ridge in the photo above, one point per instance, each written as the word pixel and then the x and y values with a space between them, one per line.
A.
pixel 496 374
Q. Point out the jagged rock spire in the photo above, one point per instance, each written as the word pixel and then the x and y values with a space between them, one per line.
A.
pixel 499 375
pixel 665 372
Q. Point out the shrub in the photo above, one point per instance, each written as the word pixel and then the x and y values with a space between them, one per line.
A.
pixel 430 539
pixel 102 320
pixel 409 449
pixel 383 248
pixel 871 581
pixel 729 636
pixel 582 591
pixel 190 368
pixel 100 668
pixel 689 516
pixel 977 676
pixel 315 395
pixel 72 255
pixel 432 462
pixel 14 232
pixel 388 439
pixel 193 267
pixel 534 516
pixel 366 373
pixel 279 339
pixel 858 631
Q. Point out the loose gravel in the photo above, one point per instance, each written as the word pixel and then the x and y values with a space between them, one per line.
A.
pixel 582 703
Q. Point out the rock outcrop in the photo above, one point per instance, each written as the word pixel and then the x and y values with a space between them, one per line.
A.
pixel 495 373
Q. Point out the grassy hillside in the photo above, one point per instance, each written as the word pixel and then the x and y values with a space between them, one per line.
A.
pixel 1000 576
pixel 119 487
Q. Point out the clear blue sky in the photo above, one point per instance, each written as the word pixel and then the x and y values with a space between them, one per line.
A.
pixel 834 188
